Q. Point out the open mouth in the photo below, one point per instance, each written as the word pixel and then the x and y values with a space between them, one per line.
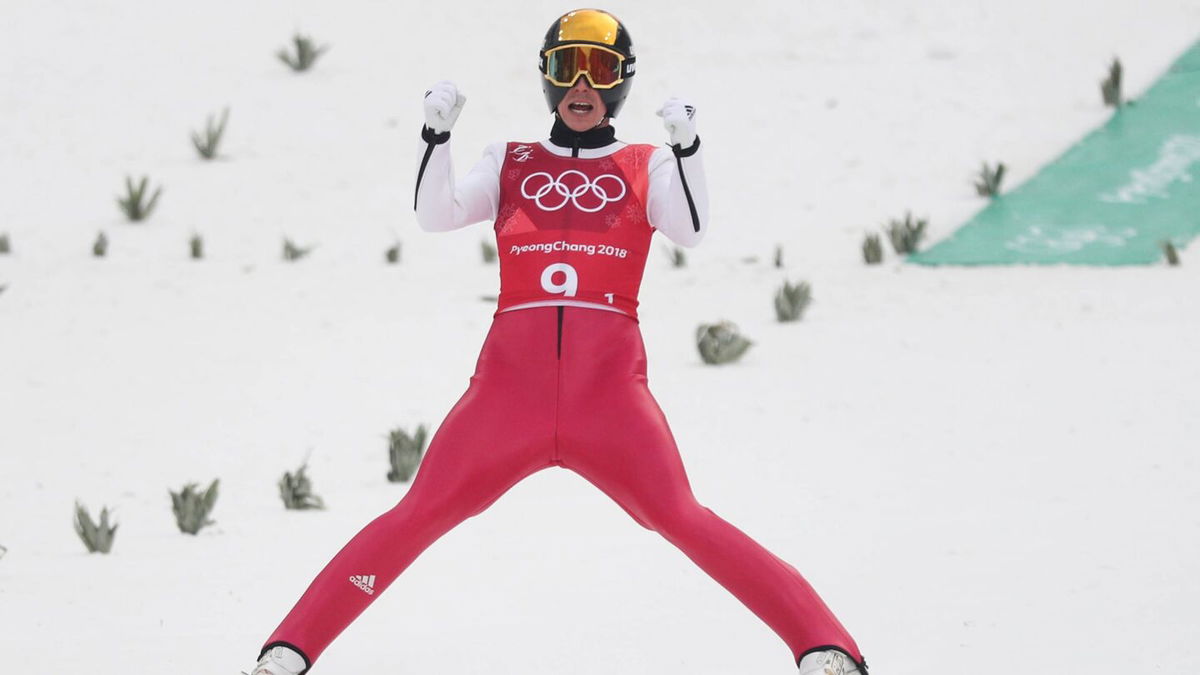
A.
pixel 580 107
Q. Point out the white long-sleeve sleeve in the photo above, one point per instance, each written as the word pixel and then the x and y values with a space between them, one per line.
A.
pixel 677 204
pixel 441 203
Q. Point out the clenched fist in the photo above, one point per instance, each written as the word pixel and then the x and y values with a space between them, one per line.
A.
pixel 680 120
pixel 443 103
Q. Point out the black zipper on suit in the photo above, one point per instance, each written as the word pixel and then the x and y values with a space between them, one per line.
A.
pixel 560 321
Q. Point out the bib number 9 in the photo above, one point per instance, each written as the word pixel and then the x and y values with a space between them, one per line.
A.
pixel 570 280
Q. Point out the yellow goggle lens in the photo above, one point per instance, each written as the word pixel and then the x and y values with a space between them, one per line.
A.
pixel 601 66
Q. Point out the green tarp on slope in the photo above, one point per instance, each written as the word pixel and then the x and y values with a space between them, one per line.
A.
pixel 1112 199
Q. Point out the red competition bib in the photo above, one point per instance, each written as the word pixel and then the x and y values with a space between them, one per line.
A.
pixel 572 229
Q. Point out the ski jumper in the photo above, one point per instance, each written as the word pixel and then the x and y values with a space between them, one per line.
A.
pixel 561 379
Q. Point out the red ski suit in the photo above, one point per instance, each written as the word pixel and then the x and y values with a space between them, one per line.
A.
pixel 561 381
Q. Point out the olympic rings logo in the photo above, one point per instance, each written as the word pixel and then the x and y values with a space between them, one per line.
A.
pixel 572 186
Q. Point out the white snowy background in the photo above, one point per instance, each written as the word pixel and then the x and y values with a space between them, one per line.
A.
pixel 982 470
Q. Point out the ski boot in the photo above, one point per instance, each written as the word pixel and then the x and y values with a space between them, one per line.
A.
pixel 279 660
pixel 830 662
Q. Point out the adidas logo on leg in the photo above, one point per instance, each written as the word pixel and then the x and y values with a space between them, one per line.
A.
pixel 366 582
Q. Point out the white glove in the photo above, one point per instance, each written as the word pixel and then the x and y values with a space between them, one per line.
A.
pixel 680 120
pixel 443 103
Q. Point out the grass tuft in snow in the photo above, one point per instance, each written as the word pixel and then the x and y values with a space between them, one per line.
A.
pixel 906 234
pixel 306 54
pixel 488 251
pixel 392 255
pixel 193 507
pixel 100 246
pixel 404 453
pixel 778 256
pixel 1110 87
pixel 134 204
pixel 296 491
pixel 5 244
pixel 97 537
pixel 987 184
pixel 292 252
pixel 196 247
pixel 207 143
pixel 791 301
pixel 3 550
pixel 720 343
pixel 677 256
pixel 1170 253
pixel 872 249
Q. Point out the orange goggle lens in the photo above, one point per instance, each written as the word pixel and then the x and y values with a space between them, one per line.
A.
pixel 564 65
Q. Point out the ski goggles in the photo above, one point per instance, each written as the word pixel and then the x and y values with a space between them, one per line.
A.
pixel 604 68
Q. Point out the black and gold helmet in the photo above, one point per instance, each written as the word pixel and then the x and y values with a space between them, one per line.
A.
pixel 587 43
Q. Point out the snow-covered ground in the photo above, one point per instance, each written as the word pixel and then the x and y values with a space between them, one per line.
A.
pixel 982 470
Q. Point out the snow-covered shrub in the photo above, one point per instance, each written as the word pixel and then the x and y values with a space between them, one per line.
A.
pixel 292 252
pixel 677 256
pixel 193 507
pixel 404 453
pixel 196 246
pixel 296 490
pixel 100 246
pixel 97 537
pixel 134 204
pixel 1110 87
pixel 207 143
pixel 488 251
pixel 393 254
pixel 791 301
pixel 306 55
pixel 906 234
pixel 1170 252
pixel 720 343
pixel 988 182
pixel 872 249
pixel 5 244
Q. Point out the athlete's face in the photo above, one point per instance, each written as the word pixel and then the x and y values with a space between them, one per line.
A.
pixel 581 109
